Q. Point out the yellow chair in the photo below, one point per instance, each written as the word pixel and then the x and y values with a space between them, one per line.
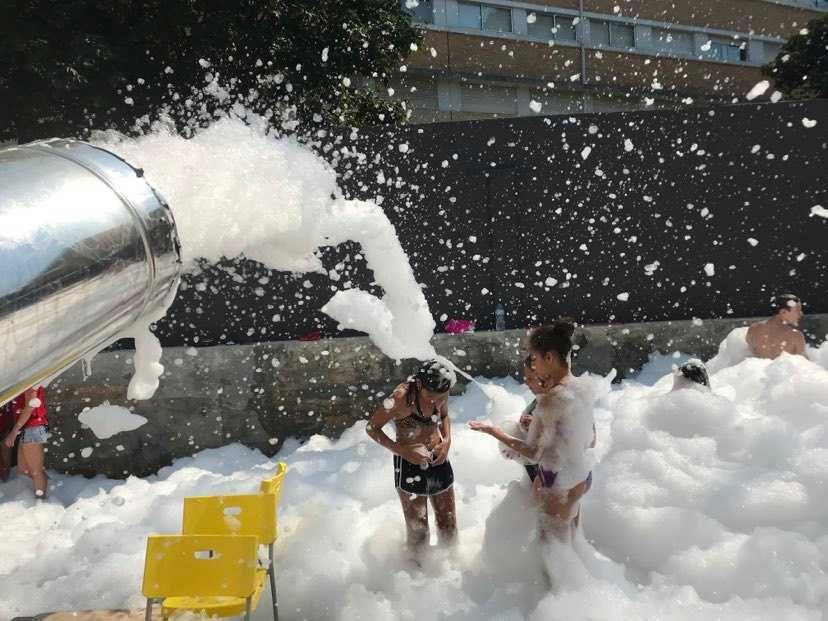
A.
pixel 200 568
pixel 273 485
pixel 237 515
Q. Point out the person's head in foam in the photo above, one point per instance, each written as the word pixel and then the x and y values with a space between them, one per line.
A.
pixel 692 373
pixel 788 308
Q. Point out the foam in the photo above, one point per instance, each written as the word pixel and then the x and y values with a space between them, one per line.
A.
pixel 697 510
pixel 108 420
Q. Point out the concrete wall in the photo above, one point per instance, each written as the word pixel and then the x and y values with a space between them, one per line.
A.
pixel 262 394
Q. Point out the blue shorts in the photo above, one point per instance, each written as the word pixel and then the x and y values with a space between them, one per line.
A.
pixel 34 435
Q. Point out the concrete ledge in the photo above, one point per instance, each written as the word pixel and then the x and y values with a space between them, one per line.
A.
pixel 261 394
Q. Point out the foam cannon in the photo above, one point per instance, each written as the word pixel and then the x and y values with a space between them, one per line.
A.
pixel 87 249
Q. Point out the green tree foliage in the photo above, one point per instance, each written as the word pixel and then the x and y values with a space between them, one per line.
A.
pixel 800 70
pixel 69 66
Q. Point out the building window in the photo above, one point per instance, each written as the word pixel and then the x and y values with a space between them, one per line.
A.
pixel 611 34
pixel 672 42
pixel 479 17
pixel 496 19
pixel 731 51
pixel 421 11
pixel 622 35
pixel 469 15
pixel 545 26
pixel 771 50
pixel 486 99
pixel 820 4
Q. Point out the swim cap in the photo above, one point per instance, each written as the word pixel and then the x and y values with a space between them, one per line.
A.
pixel 436 376
pixel 695 371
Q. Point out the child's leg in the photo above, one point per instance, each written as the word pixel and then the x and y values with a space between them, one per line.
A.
pixel 34 455
pixel 22 466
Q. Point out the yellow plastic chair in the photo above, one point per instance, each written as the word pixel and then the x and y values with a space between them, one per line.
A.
pixel 200 569
pixel 273 485
pixel 237 515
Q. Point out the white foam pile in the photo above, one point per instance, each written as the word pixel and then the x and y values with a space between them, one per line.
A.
pixel 236 191
pixel 704 505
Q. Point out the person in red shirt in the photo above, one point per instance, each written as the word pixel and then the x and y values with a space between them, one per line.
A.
pixel 31 423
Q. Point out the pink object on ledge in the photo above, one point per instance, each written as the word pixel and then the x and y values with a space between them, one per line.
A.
pixel 456 326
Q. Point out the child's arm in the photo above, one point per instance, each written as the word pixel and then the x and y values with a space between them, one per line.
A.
pixel 529 451
pixel 441 450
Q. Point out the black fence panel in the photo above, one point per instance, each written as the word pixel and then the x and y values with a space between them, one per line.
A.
pixel 635 216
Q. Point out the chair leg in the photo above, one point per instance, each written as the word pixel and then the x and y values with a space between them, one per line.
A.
pixel 247 609
pixel 148 613
pixel 272 572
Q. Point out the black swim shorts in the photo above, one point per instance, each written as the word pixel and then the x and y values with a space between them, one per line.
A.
pixel 412 479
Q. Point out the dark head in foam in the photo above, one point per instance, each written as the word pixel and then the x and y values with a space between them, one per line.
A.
pixel 787 307
pixel 694 371
pixel 549 348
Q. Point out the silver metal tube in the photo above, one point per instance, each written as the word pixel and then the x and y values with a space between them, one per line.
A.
pixel 87 247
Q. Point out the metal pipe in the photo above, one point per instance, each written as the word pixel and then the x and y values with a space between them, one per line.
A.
pixel 87 248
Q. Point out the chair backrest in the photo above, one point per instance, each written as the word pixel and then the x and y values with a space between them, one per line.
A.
pixel 273 485
pixel 199 566
pixel 242 514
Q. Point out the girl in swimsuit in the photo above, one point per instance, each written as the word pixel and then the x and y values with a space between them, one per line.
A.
pixel 560 432
pixel 419 409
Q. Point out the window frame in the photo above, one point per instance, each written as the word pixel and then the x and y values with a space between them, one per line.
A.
pixel 666 46
pixel 478 6
pixel 482 8
pixel 736 49
pixel 493 9
pixel 556 27
pixel 623 25
pixel 609 27
pixel 415 16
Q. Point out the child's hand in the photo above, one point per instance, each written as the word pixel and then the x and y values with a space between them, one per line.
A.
pixel 441 452
pixel 482 426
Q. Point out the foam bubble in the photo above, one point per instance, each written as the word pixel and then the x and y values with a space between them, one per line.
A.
pixel 108 420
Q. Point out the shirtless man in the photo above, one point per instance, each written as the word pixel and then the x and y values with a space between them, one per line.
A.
pixel 770 338
pixel 419 409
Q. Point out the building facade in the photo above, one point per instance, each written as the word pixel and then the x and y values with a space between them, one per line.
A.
pixel 500 58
